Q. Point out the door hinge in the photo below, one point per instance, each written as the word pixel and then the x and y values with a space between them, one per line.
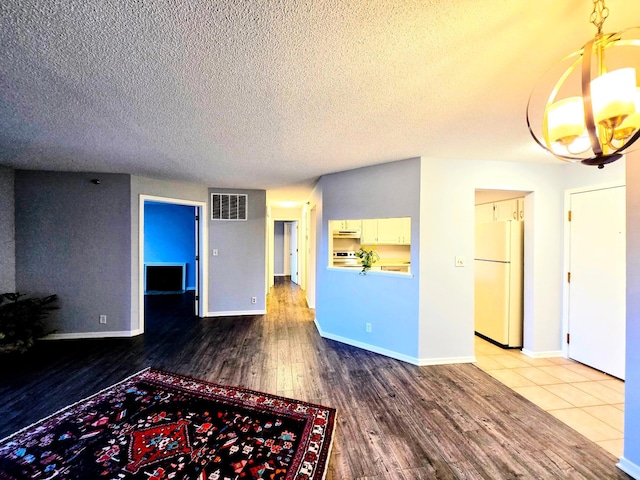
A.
pixel 197 258
pixel 568 337
pixel 197 297
pixel 197 218
pixel 568 277
pixel 569 215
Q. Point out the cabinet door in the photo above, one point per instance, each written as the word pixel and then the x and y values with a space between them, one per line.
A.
pixel 506 210
pixel 405 231
pixel 369 234
pixel 521 209
pixel 352 225
pixel 390 231
pixel 484 213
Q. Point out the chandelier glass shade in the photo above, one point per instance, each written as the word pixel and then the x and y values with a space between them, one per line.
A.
pixel 590 112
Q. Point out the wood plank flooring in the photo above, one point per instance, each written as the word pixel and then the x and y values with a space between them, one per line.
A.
pixel 395 420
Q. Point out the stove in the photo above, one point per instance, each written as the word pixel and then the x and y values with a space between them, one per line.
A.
pixel 345 258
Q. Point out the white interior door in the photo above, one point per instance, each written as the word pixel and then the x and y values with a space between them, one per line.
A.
pixel 293 246
pixel 597 287
pixel 287 248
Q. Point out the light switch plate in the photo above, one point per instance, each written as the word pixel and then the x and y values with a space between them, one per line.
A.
pixel 459 261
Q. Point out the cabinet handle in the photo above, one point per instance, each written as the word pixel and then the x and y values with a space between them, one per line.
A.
pixel 515 215
pixel 521 214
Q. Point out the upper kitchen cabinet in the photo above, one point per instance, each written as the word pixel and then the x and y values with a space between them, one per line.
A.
pixel 512 209
pixel 386 231
pixel 355 225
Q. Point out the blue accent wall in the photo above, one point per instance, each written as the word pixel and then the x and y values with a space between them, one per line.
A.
pixel 345 300
pixel 169 236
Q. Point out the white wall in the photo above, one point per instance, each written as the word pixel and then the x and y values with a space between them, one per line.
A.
pixel 447 220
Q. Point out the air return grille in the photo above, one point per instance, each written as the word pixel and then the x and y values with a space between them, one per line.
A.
pixel 228 206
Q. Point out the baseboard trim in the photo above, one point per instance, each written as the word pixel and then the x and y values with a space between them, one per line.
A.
pixel 236 313
pixel 629 467
pixel 88 335
pixel 548 354
pixel 421 362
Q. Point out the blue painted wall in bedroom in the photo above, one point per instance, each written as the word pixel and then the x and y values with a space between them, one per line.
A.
pixel 169 236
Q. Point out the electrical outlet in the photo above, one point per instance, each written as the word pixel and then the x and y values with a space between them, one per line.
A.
pixel 459 261
pixel 103 319
pixel 254 300
pixel 214 252
pixel 367 327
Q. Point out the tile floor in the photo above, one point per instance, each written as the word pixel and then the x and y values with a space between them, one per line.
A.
pixel 587 400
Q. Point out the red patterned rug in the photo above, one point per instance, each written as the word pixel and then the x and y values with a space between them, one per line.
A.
pixel 160 425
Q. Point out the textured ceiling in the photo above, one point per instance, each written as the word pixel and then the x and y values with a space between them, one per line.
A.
pixel 272 94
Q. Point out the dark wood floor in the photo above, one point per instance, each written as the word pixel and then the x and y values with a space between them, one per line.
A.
pixel 395 420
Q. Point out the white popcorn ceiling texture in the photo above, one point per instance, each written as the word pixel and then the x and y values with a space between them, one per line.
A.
pixel 271 94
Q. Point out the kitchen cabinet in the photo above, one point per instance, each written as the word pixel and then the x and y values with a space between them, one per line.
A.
pixel 386 231
pixel 347 225
pixel 500 211
pixel 484 213
pixel 369 235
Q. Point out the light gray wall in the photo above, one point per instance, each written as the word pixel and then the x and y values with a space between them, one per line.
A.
pixel 7 232
pixel 632 374
pixel 239 271
pixel 345 300
pixel 278 248
pixel 73 240
pixel 156 188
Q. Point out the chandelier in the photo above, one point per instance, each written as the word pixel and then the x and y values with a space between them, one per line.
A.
pixel 597 125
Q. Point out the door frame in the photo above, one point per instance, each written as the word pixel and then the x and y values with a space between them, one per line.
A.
pixel 202 280
pixel 566 254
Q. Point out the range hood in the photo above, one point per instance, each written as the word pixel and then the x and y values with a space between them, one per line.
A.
pixel 346 234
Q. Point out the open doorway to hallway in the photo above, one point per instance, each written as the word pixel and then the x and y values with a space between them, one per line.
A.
pixel 286 250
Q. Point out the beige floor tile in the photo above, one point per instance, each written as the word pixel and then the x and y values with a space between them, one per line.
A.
pixel 486 363
pixel 590 373
pixel 561 361
pixel 608 414
pixel 510 378
pixel 509 361
pixel 614 384
pixel 614 447
pixel 573 395
pixel 602 392
pixel 536 362
pixel 543 398
pixel 564 374
pixel 537 376
pixel 589 426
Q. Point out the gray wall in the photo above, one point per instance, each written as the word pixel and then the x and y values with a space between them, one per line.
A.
pixel 7 232
pixel 156 188
pixel 278 248
pixel 73 240
pixel 239 271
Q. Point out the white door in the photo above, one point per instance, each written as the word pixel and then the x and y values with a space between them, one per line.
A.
pixel 597 288
pixel 293 246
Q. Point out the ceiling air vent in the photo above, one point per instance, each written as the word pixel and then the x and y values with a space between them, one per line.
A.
pixel 228 206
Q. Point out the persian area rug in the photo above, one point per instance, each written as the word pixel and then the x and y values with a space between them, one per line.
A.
pixel 160 425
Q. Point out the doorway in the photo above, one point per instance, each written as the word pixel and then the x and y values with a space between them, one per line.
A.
pixel 286 249
pixel 172 238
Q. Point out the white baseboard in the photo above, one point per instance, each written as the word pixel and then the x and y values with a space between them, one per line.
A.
pixel 421 362
pixel 236 313
pixel 548 354
pixel 87 335
pixel 629 467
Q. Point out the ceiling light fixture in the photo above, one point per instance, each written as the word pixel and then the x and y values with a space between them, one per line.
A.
pixel 598 125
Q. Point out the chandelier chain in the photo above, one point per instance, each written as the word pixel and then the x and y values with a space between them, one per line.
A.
pixel 599 14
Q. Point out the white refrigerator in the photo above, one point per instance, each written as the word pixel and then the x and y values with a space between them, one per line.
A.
pixel 498 271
